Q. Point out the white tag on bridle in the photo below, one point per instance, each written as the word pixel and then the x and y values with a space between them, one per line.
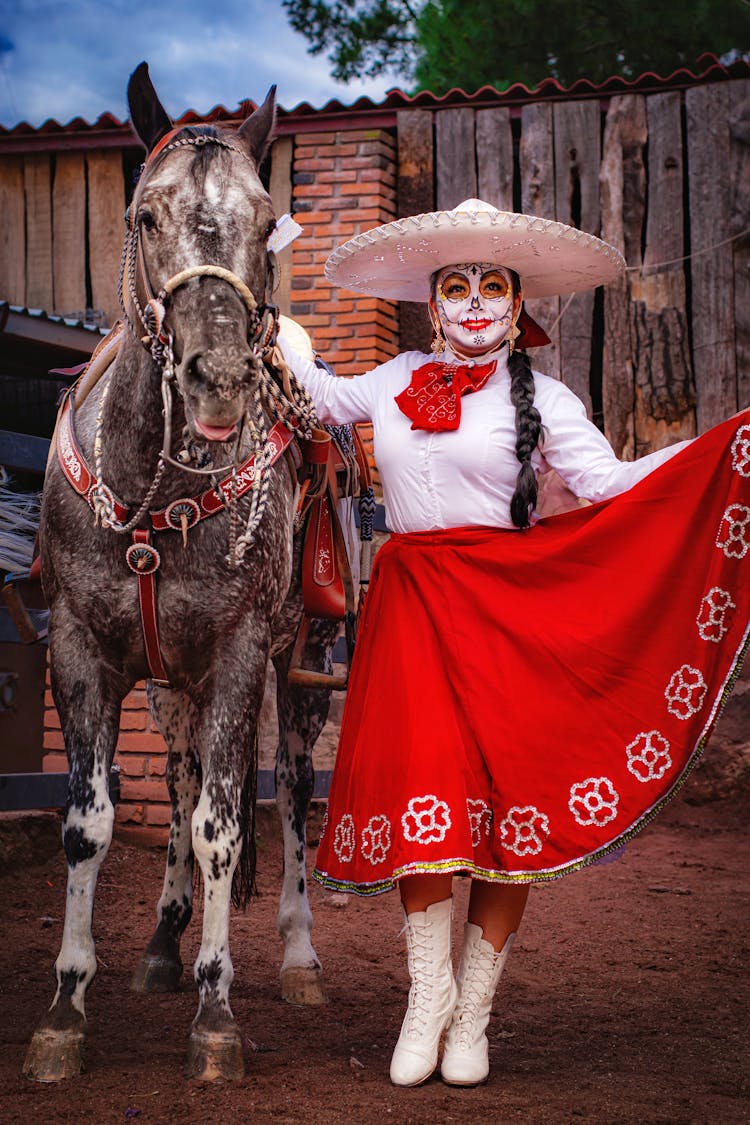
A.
pixel 285 233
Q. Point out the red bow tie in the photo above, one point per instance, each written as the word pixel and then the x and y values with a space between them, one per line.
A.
pixel 433 398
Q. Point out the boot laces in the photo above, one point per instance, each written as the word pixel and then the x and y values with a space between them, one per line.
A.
pixel 421 992
pixel 476 990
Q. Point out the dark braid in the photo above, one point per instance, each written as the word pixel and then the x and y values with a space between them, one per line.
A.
pixel 528 432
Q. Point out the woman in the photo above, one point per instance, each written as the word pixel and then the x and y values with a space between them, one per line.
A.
pixel 527 693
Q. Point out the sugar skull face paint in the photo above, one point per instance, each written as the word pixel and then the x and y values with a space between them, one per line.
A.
pixel 475 305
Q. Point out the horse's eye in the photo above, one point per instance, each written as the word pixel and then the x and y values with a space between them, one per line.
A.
pixel 147 221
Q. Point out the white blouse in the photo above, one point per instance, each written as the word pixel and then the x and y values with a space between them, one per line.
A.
pixel 467 477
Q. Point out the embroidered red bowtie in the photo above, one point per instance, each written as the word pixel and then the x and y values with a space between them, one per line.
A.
pixel 433 398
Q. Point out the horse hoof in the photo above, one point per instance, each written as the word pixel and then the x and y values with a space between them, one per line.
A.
pixel 54 1055
pixel 213 1055
pixel 302 986
pixel 156 974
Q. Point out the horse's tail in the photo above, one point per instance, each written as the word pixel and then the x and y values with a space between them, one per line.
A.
pixel 243 882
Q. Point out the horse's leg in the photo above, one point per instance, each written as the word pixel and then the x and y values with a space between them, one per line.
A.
pixel 160 968
pixel 222 825
pixel 302 715
pixel 88 698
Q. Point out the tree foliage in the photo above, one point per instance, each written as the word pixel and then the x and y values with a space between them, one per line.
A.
pixel 437 44
pixel 364 37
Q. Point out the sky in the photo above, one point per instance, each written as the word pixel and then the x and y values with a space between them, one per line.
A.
pixel 72 58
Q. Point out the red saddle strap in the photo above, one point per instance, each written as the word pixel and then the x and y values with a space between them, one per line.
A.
pixel 143 559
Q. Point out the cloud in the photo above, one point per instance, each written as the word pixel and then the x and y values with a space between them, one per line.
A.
pixel 73 57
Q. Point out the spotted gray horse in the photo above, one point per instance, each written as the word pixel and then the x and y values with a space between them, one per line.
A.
pixel 195 287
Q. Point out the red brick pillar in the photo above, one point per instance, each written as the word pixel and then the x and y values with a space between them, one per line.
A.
pixel 343 184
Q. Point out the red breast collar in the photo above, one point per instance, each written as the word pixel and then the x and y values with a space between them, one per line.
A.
pixel 186 511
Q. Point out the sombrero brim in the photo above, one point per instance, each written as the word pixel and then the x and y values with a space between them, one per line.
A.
pixel 396 260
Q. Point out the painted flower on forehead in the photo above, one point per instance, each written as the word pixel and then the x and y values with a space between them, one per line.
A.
pixel 475 306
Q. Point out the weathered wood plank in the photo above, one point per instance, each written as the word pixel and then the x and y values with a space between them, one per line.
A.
pixel 37 189
pixel 416 195
pixel 106 207
pixel 622 181
pixel 577 159
pixel 663 375
pixel 739 186
pixel 455 157
pixel 280 190
pixel 537 165
pixel 712 265
pixel 69 234
pixel 12 231
pixel 495 157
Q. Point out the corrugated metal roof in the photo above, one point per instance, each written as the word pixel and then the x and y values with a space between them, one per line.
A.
pixel 48 329
pixel 708 69
pixel 53 318
pixel 109 131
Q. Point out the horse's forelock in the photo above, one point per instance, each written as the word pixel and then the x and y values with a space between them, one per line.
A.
pixel 204 154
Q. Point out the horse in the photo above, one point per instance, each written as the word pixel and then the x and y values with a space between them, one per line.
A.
pixel 195 288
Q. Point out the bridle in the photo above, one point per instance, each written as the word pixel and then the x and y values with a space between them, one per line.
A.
pixel 277 394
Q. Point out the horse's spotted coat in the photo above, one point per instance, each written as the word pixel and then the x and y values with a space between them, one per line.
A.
pixel 218 626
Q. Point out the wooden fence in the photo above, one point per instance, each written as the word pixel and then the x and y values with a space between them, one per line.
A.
pixel 658 356
pixel 665 178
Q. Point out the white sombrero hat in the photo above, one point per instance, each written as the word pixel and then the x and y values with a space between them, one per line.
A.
pixel 397 260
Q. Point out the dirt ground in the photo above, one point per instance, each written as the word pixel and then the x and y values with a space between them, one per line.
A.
pixel 626 998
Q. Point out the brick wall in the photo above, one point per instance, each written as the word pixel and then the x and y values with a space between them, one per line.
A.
pixel 343 183
pixel 143 809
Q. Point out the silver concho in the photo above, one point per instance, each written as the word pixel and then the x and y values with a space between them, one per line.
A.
pixel 142 558
pixel 178 510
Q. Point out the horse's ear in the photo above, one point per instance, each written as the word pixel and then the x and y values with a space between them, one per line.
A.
pixel 257 130
pixel 147 114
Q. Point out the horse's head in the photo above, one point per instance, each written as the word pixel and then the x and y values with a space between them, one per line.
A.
pixel 199 222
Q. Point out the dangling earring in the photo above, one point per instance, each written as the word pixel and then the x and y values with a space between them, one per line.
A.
pixel 513 334
pixel 438 339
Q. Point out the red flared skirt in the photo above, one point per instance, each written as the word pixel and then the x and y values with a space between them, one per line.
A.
pixel 521 703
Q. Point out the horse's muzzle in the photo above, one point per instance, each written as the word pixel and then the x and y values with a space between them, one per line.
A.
pixel 216 388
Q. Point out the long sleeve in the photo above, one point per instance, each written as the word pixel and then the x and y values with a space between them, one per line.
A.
pixel 579 452
pixel 337 400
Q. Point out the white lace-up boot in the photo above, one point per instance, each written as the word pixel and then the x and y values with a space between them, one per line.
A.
pixel 466 1055
pixel 432 995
